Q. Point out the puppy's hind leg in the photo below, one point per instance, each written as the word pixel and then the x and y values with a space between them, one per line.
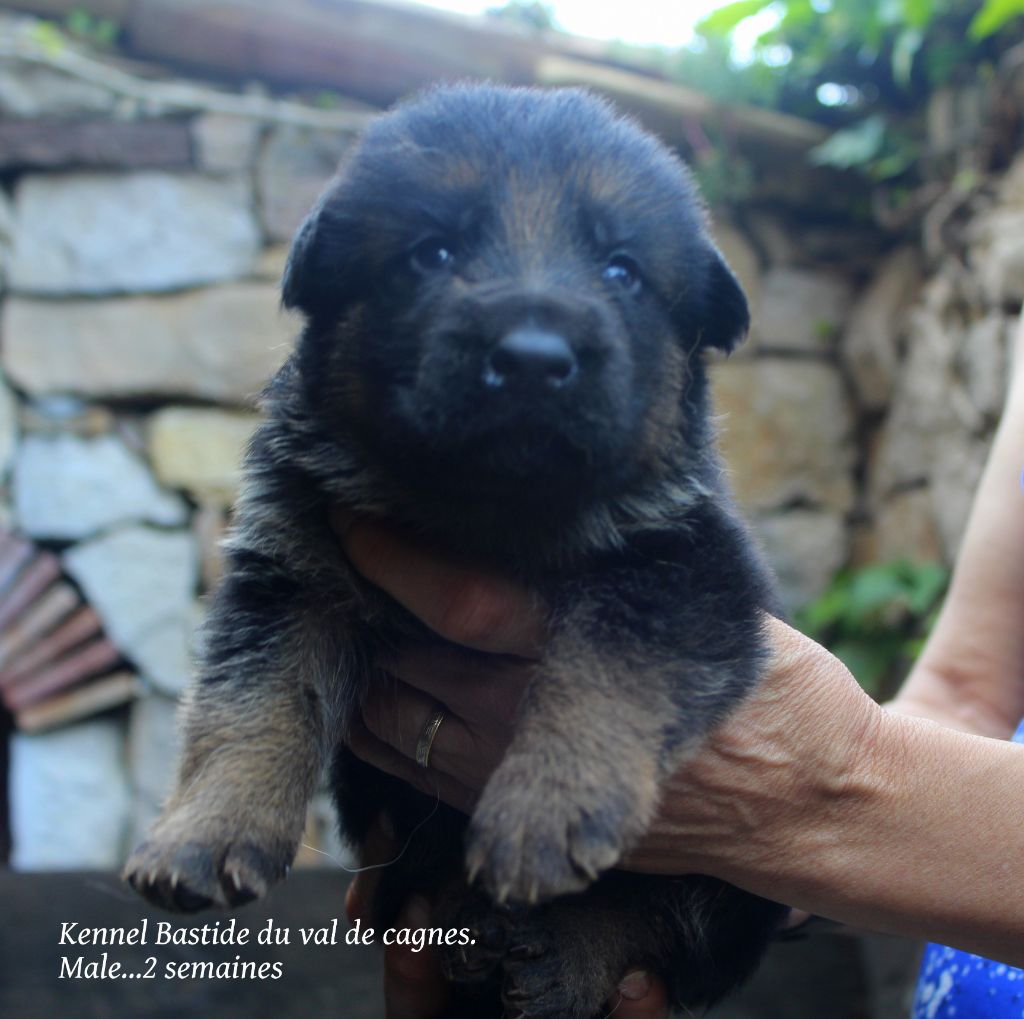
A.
pixel 255 726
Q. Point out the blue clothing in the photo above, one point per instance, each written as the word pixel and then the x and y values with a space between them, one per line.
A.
pixel 958 985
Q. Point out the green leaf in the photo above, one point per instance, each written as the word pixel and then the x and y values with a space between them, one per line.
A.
pixel 725 19
pixel 49 36
pixel 993 16
pixel 908 42
pixel 919 13
pixel 852 146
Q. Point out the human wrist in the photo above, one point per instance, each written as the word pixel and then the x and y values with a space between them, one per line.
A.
pixel 815 777
pixel 769 775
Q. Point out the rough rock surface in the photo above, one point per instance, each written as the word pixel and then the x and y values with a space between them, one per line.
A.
pixel 801 310
pixel 877 325
pixel 200 450
pixel 143 583
pixel 806 548
pixel 786 433
pixel 67 487
pixel 905 528
pixel 224 143
pixel 69 798
pixel 8 427
pixel 33 92
pixel 105 233
pixel 152 754
pixel 218 344
pixel 294 167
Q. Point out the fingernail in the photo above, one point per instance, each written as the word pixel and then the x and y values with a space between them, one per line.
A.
pixel 635 985
pixel 417 913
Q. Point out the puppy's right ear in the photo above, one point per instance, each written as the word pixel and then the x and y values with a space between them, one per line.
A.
pixel 726 313
pixel 317 276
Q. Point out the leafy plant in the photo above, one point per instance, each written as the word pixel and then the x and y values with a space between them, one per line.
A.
pixel 99 32
pixel 993 16
pixel 869 67
pixel 531 14
pixel 875 619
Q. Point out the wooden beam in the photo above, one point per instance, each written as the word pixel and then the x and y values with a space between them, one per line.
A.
pixel 101 143
pixel 376 52
pixel 668 104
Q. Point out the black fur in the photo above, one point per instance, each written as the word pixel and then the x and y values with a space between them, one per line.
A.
pixel 468 216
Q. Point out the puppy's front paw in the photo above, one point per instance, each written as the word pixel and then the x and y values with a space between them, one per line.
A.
pixel 184 868
pixel 489 927
pixel 557 970
pixel 533 838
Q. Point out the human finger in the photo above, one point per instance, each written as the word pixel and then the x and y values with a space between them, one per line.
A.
pixel 483 689
pixel 414 985
pixel 367 747
pixel 464 605
pixel 378 847
pixel 402 717
pixel 640 995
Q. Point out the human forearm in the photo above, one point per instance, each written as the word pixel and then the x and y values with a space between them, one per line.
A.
pixel 926 842
pixel 971 672
pixel 836 807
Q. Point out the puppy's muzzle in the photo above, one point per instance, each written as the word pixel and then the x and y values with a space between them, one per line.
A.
pixel 531 358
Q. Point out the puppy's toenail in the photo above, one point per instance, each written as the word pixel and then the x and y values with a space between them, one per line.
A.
pixel 635 985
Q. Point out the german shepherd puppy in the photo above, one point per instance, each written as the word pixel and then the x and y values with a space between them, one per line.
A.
pixel 508 297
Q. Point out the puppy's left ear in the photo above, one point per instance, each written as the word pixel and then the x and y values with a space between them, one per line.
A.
pixel 298 289
pixel 725 314
pixel 318 277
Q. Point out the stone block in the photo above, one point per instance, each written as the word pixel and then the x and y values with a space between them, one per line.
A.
pixel 143 583
pixel 224 143
pixel 57 144
pixel 807 548
pixel 28 90
pixel 905 528
pixel 106 233
pixel 200 450
pixel 786 433
pixel 295 166
pixel 8 427
pixel 153 745
pixel 69 798
pixel 67 487
pixel 221 343
pixel 871 345
pixel 801 310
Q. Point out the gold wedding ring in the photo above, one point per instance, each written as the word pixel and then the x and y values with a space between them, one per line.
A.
pixel 427 736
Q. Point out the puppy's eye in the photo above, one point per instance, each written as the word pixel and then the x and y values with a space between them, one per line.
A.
pixel 623 271
pixel 432 255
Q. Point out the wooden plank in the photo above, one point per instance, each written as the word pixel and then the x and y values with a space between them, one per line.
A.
pixel 339 981
pixel 100 695
pixel 378 52
pixel 373 51
pixel 103 143
pixel 664 101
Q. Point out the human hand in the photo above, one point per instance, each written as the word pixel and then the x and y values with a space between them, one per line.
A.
pixel 415 987
pixel 763 773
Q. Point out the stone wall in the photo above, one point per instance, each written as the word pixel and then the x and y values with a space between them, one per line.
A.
pixel 139 270
pixel 140 314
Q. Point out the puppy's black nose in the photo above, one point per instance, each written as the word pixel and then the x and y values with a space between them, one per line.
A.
pixel 531 356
